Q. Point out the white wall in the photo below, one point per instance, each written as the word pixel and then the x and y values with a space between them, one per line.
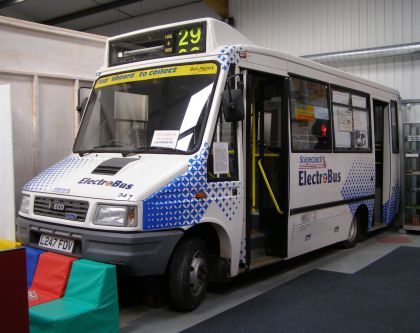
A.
pixel 7 206
pixel 45 67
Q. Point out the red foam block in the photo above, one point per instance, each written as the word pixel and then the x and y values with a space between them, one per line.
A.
pixel 51 276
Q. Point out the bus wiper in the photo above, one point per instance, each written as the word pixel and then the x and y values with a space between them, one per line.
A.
pixel 145 148
pixel 113 145
pixel 85 152
pixel 90 151
pixel 166 148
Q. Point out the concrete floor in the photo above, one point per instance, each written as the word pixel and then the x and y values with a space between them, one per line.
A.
pixel 140 318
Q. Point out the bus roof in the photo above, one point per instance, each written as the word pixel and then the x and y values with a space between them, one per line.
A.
pixel 205 37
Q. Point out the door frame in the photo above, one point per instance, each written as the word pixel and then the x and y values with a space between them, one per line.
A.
pixel 386 158
pixel 285 130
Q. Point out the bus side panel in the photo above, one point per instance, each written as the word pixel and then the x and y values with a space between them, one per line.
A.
pixel 325 191
pixel 309 236
pixel 326 179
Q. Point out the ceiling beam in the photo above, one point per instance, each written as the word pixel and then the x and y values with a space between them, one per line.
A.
pixel 89 11
pixel 8 3
pixel 221 7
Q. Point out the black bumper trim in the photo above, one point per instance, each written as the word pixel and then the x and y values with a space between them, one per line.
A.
pixel 305 209
pixel 138 253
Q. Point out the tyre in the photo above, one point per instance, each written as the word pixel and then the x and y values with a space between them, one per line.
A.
pixel 188 274
pixel 354 233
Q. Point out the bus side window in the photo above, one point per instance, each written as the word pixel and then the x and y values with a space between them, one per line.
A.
pixel 310 115
pixel 351 121
pixel 222 163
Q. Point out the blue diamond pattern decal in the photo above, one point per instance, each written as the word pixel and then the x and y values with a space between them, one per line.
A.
pixel 229 55
pixel 59 171
pixel 360 182
pixel 390 208
pixel 175 205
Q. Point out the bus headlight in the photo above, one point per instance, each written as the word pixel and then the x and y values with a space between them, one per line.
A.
pixel 25 203
pixel 116 216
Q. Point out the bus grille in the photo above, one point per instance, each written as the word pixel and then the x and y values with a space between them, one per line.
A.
pixel 72 210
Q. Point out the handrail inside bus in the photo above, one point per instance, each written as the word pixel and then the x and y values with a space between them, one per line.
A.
pixel 273 198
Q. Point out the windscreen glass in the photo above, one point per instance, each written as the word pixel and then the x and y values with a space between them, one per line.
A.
pixel 157 109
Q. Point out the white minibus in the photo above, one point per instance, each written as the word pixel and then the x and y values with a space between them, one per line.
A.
pixel 201 156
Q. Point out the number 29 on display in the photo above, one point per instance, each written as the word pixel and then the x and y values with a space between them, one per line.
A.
pixel 188 40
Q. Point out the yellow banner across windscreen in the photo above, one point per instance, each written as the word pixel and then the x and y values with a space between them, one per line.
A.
pixel 157 73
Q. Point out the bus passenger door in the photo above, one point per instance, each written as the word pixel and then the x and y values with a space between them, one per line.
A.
pixel 382 163
pixel 267 164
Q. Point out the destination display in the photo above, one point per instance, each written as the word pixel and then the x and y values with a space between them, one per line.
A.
pixel 182 40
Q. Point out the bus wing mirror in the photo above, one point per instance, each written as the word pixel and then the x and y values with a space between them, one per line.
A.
pixel 81 103
pixel 233 105
pixel 81 106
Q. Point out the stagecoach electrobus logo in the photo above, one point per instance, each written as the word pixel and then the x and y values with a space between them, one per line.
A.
pixel 309 177
pixel 312 162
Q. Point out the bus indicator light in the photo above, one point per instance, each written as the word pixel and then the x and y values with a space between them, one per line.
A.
pixel 200 195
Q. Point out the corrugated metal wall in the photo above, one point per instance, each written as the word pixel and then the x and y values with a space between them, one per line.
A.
pixel 304 27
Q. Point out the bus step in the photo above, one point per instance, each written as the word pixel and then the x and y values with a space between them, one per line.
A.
pixel 257 240
pixel 264 261
pixel 255 220
pixel 377 226
pixel 258 253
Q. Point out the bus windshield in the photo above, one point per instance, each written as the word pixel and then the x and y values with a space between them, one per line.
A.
pixel 160 109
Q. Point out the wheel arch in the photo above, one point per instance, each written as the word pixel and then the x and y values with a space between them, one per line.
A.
pixel 362 213
pixel 214 235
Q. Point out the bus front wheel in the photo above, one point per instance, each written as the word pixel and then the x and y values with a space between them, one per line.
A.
pixel 188 274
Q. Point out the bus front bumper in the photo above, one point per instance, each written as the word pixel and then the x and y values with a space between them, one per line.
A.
pixel 136 253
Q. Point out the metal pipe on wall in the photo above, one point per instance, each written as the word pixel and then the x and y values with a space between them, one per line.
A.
pixel 374 52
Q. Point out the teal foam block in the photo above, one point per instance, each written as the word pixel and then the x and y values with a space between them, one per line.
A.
pixel 89 305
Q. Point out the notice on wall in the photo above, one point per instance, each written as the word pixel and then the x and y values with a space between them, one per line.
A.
pixel 321 113
pixel 358 101
pixel 220 158
pixel 360 120
pixel 360 139
pixel 341 97
pixel 345 119
pixel 342 138
pixel 165 139
pixel 304 112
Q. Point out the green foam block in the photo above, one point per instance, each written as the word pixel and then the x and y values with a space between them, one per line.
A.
pixel 89 305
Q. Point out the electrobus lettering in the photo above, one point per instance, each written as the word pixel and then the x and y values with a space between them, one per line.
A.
pixel 315 178
pixel 115 183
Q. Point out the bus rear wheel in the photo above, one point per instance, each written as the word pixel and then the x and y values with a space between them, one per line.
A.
pixel 188 274
pixel 354 233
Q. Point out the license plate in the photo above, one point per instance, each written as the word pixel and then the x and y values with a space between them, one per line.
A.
pixel 56 243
